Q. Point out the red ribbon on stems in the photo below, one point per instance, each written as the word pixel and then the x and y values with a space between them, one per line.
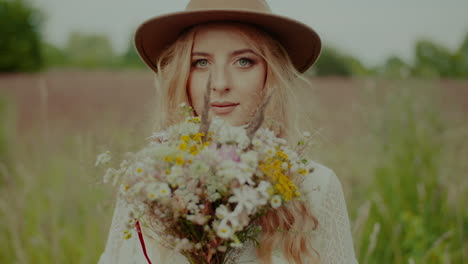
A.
pixel 142 241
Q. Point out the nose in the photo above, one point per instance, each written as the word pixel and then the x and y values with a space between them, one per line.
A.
pixel 220 80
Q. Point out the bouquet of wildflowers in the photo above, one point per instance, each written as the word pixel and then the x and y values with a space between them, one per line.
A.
pixel 200 186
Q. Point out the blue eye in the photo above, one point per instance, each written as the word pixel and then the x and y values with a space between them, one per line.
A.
pixel 202 63
pixel 245 62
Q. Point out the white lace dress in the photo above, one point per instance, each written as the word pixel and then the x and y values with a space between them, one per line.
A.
pixel 332 238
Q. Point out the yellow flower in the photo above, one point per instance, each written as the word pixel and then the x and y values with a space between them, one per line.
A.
pixel 168 159
pixel 179 160
pixel 195 120
pixel 282 155
pixel 272 168
pixel 127 234
pixel 198 136
pixel 194 150
pixel 185 139
pixel 183 146
pixel 279 188
pixel 283 180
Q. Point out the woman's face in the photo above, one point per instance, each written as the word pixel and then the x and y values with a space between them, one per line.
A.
pixel 237 73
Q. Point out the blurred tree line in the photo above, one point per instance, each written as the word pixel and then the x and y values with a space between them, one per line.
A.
pixel 430 60
pixel 23 49
pixel 20 41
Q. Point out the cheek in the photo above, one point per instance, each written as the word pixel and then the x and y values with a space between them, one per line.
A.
pixel 253 86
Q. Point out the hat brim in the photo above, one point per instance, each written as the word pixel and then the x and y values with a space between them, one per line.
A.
pixel 300 41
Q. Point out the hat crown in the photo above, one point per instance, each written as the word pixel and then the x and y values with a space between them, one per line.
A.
pixel 249 5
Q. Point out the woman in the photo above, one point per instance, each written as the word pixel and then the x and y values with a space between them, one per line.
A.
pixel 228 42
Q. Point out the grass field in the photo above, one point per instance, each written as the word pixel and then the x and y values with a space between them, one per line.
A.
pixel 400 149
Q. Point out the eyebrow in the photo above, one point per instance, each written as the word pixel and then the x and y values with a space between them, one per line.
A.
pixel 234 53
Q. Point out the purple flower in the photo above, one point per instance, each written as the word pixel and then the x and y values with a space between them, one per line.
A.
pixel 229 152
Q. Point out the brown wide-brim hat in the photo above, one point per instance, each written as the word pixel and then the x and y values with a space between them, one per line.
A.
pixel 300 41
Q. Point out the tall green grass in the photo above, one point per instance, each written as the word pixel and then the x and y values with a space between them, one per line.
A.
pixel 7 129
pixel 53 205
pixel 411 217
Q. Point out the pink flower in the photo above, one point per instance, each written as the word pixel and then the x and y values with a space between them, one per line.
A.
pixel 228 152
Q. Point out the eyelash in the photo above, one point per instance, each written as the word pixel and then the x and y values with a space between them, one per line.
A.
pixel 251 61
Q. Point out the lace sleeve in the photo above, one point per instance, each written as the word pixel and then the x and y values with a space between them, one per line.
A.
pixel 333 236
pixel 129 251
pixel 119 250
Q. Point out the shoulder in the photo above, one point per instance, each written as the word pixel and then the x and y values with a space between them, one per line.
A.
pixel 320 178
pixel 324 194
pixel 316 185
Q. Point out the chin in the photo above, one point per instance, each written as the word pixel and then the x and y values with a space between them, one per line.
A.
pixel 232 120
pixel 237 122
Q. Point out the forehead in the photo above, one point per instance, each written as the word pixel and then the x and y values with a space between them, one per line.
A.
pixel 220 34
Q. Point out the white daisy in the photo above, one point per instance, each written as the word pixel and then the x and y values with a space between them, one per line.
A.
pixel 110 174
pixel 138 169
pixel 124 188
pixel 222 211
pixel 246 198
pixel 275 201
pixel 250 158
pixel 133 190
pixel 164 190
pixel 224 230
pixel 262 189
pixel 103 158
pixel 199 168
pixel 175 176
pixel 183 244
pixel 152 191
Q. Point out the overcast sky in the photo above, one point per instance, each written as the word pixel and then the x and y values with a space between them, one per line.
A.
pixel 372 30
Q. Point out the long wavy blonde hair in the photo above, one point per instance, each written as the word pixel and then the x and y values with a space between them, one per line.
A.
pixel 283 228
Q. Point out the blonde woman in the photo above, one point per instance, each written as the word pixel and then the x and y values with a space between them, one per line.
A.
pixel 248 52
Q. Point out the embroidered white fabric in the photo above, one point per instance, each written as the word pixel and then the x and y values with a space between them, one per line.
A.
pixel 324 194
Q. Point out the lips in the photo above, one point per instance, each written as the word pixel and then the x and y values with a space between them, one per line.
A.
pixel 223 108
